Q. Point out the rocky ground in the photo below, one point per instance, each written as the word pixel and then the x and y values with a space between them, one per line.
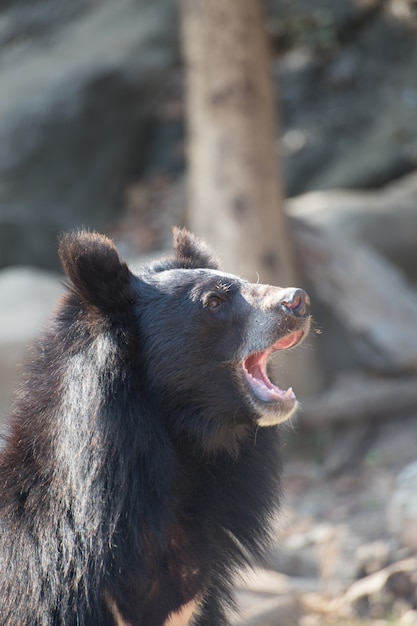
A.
pixel 346 550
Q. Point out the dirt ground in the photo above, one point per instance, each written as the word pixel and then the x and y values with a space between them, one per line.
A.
pixel 337 559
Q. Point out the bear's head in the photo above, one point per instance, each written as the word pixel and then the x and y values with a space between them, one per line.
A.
pixel 201 338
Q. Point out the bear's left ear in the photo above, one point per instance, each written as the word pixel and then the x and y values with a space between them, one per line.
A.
pixel 191 252
pixel 97 275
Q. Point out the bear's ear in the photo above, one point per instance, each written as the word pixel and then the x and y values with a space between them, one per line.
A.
pixel 191 252
pixel 97 275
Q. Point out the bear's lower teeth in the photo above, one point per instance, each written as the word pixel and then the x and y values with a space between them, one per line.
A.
pixel 265 393
pixel 254 368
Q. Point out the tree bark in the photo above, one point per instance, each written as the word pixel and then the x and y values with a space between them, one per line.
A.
pixel 235 198
pixel 234 194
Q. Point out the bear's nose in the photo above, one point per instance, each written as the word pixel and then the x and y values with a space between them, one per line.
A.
pixel 295 301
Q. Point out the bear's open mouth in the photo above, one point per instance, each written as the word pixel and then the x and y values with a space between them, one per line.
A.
pixel 254 367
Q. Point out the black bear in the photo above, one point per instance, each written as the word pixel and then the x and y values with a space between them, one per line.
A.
pixel 134 477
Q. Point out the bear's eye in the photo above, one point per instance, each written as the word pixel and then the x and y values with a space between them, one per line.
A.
pixel 213 302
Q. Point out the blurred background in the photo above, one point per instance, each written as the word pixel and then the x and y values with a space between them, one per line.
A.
pixel 285 134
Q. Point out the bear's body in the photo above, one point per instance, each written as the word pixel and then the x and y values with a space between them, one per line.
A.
pixel 134 479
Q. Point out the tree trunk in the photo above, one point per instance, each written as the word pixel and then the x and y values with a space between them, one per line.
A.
pixel 233 167
pixel 234 195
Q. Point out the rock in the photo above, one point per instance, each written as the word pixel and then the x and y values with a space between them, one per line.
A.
pixel 372 557
pixel 325 98
pixel 151 210
pixel 344 446
pixel 409 618
pixel 263 596
pixel 321 551
pixel 385 219
pixel 377 595
pixel 402 507
pixel 78 84
pixel 260 580
pixel 27 299
pixel 260 610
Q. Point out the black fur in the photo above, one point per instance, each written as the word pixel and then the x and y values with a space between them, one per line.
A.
pixel 134 474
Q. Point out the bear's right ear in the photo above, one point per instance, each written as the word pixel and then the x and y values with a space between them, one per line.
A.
pixel 97 275
pixel 191 252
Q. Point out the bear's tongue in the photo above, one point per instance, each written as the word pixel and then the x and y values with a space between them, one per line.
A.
pixel 254 367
